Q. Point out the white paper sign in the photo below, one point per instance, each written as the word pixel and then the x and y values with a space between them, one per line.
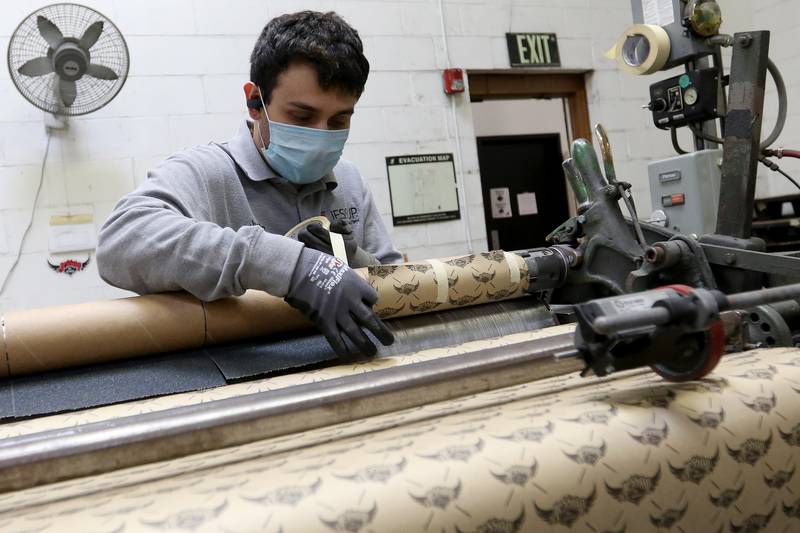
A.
pixel 71 233
pixel 501 203
pixel 422 188
pixel 658 12
pixel 526 203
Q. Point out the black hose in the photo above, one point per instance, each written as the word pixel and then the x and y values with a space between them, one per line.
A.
pixel 783 102
pixel 779 123
pixel 675 144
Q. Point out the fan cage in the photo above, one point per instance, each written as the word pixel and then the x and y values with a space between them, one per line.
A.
pixel 110 50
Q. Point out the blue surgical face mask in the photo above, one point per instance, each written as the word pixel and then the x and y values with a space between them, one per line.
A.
pixel 302 155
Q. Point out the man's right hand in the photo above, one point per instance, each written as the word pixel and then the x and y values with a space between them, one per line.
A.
pixel 337 301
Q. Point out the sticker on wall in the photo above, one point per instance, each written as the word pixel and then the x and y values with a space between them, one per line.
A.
pixel 526 204
pixel 68 266
pixel 501 203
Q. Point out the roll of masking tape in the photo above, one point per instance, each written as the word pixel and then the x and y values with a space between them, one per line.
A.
pixel 337 241
pixel 641 49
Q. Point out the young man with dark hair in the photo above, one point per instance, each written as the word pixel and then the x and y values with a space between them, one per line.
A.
pixel 210 219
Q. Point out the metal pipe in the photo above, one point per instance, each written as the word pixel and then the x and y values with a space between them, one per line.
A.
pixel 749 299
pixel 658 316
pixel 90 449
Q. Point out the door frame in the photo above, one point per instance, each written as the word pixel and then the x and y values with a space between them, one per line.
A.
pixel 509 83
pixel 505 84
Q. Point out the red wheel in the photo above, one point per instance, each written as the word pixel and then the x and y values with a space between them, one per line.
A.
pixel 697 368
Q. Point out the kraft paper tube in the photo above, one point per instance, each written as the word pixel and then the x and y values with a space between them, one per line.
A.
pixel 254 314
pixel 628 48
pixel 45 339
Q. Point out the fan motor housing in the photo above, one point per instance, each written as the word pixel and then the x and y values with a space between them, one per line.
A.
pixel 70 61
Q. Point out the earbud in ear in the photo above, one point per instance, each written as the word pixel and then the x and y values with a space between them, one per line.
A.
pixel 254 103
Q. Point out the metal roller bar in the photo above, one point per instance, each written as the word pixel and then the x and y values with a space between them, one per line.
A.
pixel 456 326
pixel 61 454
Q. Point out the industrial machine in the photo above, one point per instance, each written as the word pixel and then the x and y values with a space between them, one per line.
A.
pixel 674 296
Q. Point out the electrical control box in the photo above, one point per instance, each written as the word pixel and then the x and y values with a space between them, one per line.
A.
pixel 685 190
pixel 684 99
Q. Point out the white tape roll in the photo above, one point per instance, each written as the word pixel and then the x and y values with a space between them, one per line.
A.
pixel 339 251
pixel 442 285
pixel 513 267
pixel 641 49
pixel 337 241
pixel 321 220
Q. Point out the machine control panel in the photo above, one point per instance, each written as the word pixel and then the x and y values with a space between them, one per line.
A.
pixel 684 191
pixel 690 97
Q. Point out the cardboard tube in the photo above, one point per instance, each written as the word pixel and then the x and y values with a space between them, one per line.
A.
pixel 253 314
pixel 37 340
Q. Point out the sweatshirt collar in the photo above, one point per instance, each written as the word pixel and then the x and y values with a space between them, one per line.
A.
pixel 249 158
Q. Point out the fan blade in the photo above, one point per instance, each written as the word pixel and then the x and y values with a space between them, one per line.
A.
pixel 67 92
pixel 91 35
pixel 36 67
pixel 101 72
pixel 49 31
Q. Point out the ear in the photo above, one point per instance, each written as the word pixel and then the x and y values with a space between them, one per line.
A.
pixel 252 101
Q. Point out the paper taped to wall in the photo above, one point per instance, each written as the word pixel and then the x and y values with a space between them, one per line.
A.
pixel 71 233
pixel 526 204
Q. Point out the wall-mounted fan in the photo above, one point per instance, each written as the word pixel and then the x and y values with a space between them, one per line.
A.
pixel 68 59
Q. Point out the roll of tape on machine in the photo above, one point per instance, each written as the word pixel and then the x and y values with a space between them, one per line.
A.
pixel 641 49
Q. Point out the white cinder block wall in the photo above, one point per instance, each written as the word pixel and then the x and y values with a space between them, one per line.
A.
pixel 782 17
pixel 189 59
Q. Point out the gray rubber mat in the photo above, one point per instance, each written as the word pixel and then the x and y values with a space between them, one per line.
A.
pixel 249 360
pixel 83 387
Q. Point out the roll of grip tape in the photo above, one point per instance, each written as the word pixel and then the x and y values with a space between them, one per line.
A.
pixel 641 49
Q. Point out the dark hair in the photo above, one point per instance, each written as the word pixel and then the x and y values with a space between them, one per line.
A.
pixel 325 40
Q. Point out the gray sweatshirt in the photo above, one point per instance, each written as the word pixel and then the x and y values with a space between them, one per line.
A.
pixel 210 220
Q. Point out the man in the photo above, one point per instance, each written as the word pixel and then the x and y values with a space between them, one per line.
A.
pixel 210 220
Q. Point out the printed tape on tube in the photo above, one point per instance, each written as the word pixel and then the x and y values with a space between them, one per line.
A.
pixel 659 48
pixel 513 267
pixel 442 285
pixel 337 241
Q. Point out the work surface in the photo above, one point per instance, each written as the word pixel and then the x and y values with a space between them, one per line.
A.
pixel 628 454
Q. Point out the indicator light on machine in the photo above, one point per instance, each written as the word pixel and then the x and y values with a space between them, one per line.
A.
pixel 453 80
pixel 673 200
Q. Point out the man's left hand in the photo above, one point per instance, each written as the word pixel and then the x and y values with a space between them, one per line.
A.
pixel 316 237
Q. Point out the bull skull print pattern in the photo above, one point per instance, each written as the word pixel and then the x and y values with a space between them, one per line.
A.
pixel 471 279
pixel 563 454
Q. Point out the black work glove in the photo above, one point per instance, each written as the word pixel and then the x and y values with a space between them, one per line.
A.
pixel 316 237
pixel 337 301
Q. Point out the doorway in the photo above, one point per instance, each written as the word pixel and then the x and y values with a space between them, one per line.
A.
pixel 522 189
pixel 524 124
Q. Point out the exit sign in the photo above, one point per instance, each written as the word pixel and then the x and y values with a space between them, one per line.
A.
pixel 533 49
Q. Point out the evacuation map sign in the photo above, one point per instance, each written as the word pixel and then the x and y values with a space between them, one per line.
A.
pixel 422 188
